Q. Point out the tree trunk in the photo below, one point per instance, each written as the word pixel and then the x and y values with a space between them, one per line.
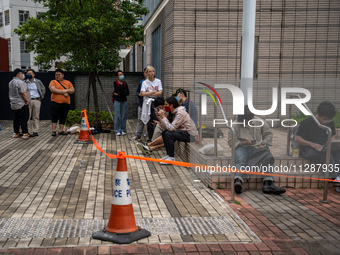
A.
pixel 88 93
pixel 95 97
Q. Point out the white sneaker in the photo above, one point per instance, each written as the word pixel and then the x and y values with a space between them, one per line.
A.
pixel 165 157
pixel 123 133
pixel 16 135
pixel 118 134
pixel 25 136
pixel 170 159
pixel 144 148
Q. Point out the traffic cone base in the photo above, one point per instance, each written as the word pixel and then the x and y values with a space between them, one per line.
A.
pixel 121 227
pixel 120 238
pixel 84 136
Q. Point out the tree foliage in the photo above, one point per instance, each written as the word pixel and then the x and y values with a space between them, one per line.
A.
pixel 88 32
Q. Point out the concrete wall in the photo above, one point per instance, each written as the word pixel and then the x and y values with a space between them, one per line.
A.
pixel 201 41
pixel 132 80
pixel 80 82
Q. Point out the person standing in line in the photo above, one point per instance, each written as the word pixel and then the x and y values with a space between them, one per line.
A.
pixel 140 124
pixel 121 90
pixel 151 87
pixel 61 90
pixel 19 97
pixel 37 91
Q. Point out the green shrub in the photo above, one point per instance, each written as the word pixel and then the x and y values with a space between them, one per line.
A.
pixel 300 117
pixel 105 118
pixel 74 117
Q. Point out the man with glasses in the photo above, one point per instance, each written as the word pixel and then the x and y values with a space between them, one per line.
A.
pixel 37 92
pixel 61 90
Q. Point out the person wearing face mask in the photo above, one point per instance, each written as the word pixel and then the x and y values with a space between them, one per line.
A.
pixel 121 90
pixel 181 96
pixel 177 127
pixel 37 93
pixel 19 97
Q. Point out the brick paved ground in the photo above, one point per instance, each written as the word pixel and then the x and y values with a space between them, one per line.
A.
pixel 52 178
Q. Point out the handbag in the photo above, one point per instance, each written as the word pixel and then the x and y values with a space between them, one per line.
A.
pixel 261 157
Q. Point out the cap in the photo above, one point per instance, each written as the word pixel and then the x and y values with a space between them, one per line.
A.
pixel 179 90
pixel 16 71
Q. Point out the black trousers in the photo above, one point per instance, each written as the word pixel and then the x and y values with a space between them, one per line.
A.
pixel 169 138
pixel 20 119
pixel 150 125
pixel 59 111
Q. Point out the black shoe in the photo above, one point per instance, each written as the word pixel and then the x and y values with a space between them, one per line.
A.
pixel 54 133
pixel 238 186
pixel 35 134
pixel 270 188
pixel 63 133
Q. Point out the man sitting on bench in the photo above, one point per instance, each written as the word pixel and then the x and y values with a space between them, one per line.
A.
pixel 312 138
pixel 247 140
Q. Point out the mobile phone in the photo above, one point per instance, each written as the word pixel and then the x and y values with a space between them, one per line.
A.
pixel 253 141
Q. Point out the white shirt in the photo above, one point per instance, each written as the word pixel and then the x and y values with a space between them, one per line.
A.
pixel 32 87
pixel 156 85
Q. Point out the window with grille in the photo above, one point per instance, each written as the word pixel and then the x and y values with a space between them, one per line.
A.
pixel 23 48
pixel 23 16
pixel 7 21
pixel 1 20
pixel 157 51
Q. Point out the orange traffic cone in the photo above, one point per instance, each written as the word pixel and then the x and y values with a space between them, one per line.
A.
pixel 121 227
pixel 84 136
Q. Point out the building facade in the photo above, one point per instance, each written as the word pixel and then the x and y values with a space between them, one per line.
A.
pixel 198 40
pixel 12 14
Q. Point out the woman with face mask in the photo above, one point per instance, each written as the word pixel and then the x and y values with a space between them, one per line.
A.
pixel 121 90
pixel 177 127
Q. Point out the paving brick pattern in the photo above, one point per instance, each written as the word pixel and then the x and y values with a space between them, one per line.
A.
pixel 68 181
pixel 293 223
pixel 52 178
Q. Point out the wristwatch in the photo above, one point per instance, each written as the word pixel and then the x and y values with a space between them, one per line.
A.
pixel 262 143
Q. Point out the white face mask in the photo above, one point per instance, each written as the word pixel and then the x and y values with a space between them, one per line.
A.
pixel 23 77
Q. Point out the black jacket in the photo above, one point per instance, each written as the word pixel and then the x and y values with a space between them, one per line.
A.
pixel 122 90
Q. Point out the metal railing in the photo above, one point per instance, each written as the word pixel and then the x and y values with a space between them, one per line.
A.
pixel 328 151
pixel 232 193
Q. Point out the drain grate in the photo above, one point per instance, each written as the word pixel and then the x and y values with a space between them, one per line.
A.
pixel 60 228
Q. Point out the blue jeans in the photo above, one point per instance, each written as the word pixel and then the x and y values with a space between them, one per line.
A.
pixel 319 157
pixel 242 154
pixel 120 116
